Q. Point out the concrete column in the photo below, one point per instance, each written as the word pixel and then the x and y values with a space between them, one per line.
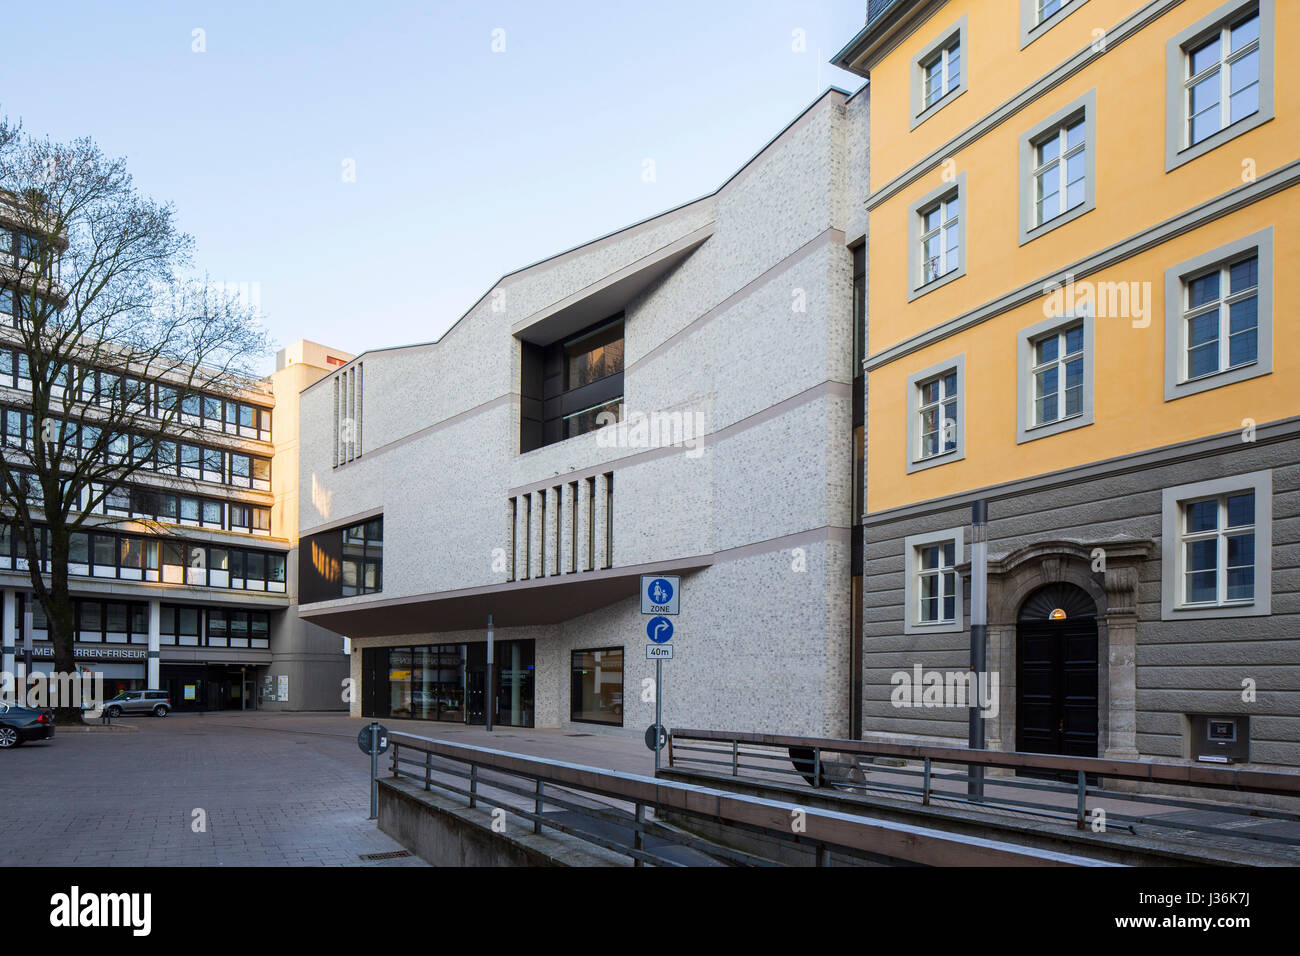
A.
pixel 580 518
pixel 602 522
pixel 155 642
pixel 536 531
pixel 1121 628
pixel 8 635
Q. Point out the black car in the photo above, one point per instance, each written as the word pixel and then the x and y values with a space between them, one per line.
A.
pixel 20 724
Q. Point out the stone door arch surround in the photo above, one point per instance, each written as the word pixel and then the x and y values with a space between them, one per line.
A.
pixel 1014 575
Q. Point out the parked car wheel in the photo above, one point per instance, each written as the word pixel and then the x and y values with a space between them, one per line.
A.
pixel 9 738
pixel 160 711
pixel 114 711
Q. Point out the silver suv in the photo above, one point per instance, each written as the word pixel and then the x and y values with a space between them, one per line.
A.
pixel 156 702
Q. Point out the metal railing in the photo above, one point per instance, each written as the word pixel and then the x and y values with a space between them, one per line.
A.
pixel 623 812
pixel 1068 789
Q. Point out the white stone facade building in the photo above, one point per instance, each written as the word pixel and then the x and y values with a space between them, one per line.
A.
pixel 449 481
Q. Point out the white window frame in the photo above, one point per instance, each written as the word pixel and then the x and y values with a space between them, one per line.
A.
pixel 1177 282
pixel 912 546
pixel 1179 149
pixel 1173 605
pixel 1027 426
pixel 1032 22
pixel 1082 110
pixel 915 461
pixel 955 35
pixel 917 284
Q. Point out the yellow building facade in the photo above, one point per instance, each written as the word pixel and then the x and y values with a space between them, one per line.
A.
pixel 1081 216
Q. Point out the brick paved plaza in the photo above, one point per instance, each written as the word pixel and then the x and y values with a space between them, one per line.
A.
pixel 278 790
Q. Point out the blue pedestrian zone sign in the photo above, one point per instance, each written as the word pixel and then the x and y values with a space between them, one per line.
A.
pixel 660 594
pixel 659 630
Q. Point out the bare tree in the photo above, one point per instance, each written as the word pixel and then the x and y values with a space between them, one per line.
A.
pixel 117 341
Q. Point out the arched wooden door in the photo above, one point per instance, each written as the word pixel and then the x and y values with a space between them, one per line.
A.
pixel 1056 673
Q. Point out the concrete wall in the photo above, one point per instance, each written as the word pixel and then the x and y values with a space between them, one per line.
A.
pixel 752 330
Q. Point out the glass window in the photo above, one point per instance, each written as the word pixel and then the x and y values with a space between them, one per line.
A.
pixel 1221 318
pixel 937 412
pixel 1222 84
pixel 594 356
pixel 105 550
pixel 1060 171
pixel 1058 375
pixel 400 667
pixel 212 513
pixel 937 582
pixel 596 691
pixel 940 239
pixel 79 548
pixel 942 73
pixel 1219 550
pixel 261 469
pixel 589 419
pixel 132 552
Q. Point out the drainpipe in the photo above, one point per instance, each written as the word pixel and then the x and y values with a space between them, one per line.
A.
pixel 979 569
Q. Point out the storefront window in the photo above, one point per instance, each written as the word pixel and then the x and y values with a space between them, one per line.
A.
pixel 399 682
pixel 596 693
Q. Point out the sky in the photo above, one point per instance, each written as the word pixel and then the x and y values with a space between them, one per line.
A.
pixel 367 171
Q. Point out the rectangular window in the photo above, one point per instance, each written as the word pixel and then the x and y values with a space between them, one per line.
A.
pixel 935 427
pixel 1219 79
pixel 596 692
pixel 1039 16
pixel 1216 547
pixel 1058 165
pixel 938 75
pixel 932 586
pixel 1219 317
pixel 937 415
pixel 936 234
pixel 942 73
pixel 1055 376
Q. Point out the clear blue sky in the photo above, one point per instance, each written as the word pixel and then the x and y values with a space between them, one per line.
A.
pixel 469 163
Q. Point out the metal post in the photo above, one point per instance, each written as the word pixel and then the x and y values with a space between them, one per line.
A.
pixel 428 768
pixel 374 770
pixel 735 758
pixel 1083 793
pixel 473 785
pixel 488 683
pixel 637 841
pixel 817 768
pixel 979 554
pixel 537 808
pixel 659 706
pixel 925 795
pixel 823 855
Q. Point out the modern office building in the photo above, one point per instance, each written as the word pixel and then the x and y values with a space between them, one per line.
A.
pixel 676 397
pixel 1083 321
pixel 183 580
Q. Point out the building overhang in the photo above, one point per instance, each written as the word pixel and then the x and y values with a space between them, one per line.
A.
pixel 885 19
pixel 548 600
pixel 609 295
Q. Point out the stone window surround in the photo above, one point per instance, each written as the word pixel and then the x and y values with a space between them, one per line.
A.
pixel 1171 560
pixel 911 620
pixel 1031 29
pixel 915 289
pixel 1085 106
pixel 1025 430
pixel 919 111
pixel 1175 387
pixel 1176 154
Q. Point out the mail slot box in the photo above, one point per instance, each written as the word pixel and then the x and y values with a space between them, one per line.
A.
pixel 1220 738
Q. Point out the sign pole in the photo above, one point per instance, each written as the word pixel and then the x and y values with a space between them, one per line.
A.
pixel 659 705
pixel 374 770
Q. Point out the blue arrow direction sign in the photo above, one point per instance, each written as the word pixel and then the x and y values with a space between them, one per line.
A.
pixel 659 630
